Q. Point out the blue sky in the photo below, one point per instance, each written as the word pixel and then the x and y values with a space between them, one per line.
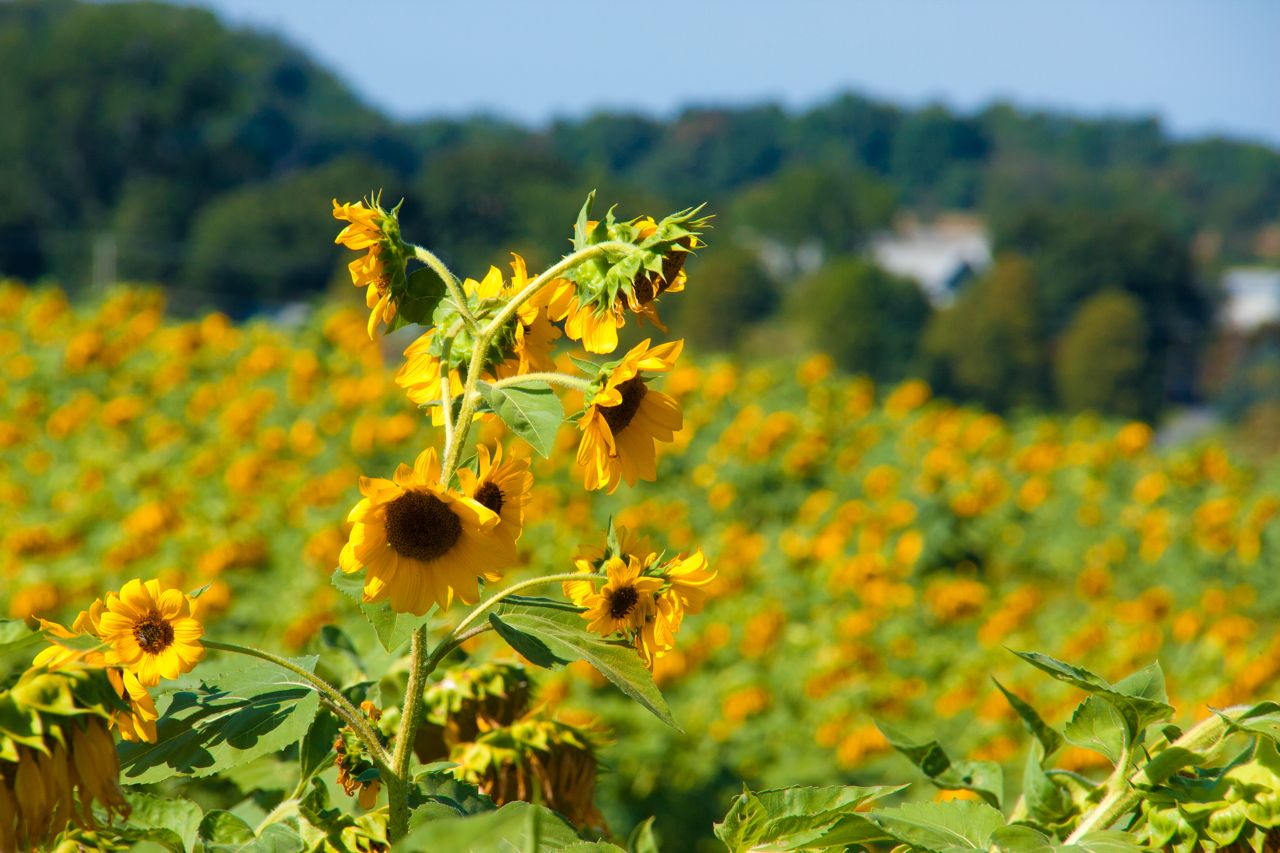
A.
pixel 1203 67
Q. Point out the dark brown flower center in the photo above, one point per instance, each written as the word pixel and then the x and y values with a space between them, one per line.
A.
pixel 621 600
pixel 489 496
pixel 420 526
pixel 153 634
pixel 648 286
pixel 619 416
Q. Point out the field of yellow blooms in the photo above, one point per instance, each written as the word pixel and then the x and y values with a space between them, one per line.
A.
pixel 878 551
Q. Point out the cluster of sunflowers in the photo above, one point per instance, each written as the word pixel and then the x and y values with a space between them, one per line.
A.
pixel 876 547
pixel 419 541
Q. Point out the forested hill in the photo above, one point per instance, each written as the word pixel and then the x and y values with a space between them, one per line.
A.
pixel 204 157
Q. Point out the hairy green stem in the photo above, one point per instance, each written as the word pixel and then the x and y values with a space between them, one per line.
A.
pixel 446 396
pixel 420 663
pixel 1123 796
pixel 450 281
pixel 563 380
pixel 551 274
pixel 511 590
pixel 351 715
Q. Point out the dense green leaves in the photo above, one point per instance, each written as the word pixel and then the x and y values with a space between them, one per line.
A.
pixel 1139 699
pixel 424 290
pixel 238 712
pixel 800 818
pixel 553 637
pixel 984 778
pixel 954 825
pixel 515 826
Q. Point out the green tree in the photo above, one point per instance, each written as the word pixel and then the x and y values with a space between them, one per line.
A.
pixel 867 319
pixel 1102 358
pixel 729 293
pixel 836 207
pixel 989 346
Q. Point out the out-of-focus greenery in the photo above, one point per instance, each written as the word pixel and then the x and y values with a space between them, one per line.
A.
pixel 877 549
pixel 156 142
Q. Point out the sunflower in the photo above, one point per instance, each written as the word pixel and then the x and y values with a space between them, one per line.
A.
pixel 535 334
pixel 502 488
pixel 420 376
pixel 365 231
pixel 625 418
pixel 624 602
pixel 152 632
pixel 422 543
pixel 595 325
pixel 136 723
pixel 689 578
pixel 591 559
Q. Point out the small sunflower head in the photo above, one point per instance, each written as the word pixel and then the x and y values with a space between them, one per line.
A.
pixel 381 270
pixel 152 632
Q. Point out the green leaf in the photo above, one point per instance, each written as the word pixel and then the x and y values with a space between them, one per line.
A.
pixel 423 292
pixel 439 786
pixel 223 828
pixel 1021 839
pixel 1048 736
pixel 550 638
pixel 1097 725
pixel 508 828
pixel 1047 803
pixel 179 818
pixel 316 750
pixel 643 839
pixel 800 818
pixel 941 826
pixel 984 778
pixel 1140 698
pixel 531 411
pixel 1106 841
pixel 1262 719
pixel 392 629
pixel 239 712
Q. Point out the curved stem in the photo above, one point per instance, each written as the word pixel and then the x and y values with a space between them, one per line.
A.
pixel 564 380
pixel 511 590
pixel 551 274
pixel 450 281
pixel 351 715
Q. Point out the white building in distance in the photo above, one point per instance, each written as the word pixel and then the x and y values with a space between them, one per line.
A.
pixel 1251 299
pixel 939 257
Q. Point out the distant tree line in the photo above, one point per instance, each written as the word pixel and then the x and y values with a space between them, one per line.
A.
pixel 204 158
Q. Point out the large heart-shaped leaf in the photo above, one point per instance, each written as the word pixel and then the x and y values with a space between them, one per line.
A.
pixel 531 410
pixel 238 712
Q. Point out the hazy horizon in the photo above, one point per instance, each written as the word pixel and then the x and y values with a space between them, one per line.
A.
pixel 1201 70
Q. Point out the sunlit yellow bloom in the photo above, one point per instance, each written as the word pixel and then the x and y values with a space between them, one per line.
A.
pixel 535 334
pixel 594 325
pixel 421 543
pixel 364 231
pixel 153 632
pixel 689 578
pixel 502 488
pixel 591 559
pixel 625 601
pixel 625 418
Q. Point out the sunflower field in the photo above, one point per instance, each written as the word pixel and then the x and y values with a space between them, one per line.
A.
pixel 879 561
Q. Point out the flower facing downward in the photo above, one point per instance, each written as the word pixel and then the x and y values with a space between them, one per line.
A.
pixel 367 230
pixel 625 418
pixel 421 543
pixel 153 632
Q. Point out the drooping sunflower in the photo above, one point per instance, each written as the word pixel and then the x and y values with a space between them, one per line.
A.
pixel 153 632
pixel 594 324
pixel 421 543
pixel 625 601
pixel 502 488
pixel 625 418
pixel 421 376
pixel 366 230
